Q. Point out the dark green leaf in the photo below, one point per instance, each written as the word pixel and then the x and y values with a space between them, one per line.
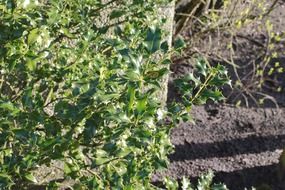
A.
pixel 179 44
pixel 201 66
pixel 153 39
pixel 131 97
pixel 116 14
pixel 164 47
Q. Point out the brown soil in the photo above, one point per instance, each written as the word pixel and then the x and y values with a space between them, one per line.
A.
pixel 241 145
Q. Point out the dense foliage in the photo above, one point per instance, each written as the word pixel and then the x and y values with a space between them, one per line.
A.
pixel 84 93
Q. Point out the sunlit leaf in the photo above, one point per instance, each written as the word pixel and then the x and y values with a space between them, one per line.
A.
pixel 31 178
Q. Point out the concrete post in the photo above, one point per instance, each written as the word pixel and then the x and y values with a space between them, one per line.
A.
pixel 167 12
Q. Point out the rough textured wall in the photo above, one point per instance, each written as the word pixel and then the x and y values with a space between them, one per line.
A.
pixel 168 13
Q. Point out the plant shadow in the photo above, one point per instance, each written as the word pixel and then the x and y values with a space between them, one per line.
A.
pixel 261 177
pixel 249 145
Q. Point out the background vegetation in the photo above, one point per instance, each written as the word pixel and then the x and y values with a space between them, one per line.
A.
pixel 244 37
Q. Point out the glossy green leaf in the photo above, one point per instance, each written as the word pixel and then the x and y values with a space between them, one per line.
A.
pixel 33 36
pixel 27 99
pixel 9 107
pixel 214 95
pixel 31 64
pixel 202 67
pixel 100 161
pixel 186 185
pixel 153 39
pixel 66 32
pixel 131 97
pixel 117 14
pixel 124 152
pixel 164 47
pixel 141 105
pixel 5 181
pixel 179 44
pixel 30 177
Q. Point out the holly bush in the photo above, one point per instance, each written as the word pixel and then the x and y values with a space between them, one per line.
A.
pixel 205 182
pixel 81 90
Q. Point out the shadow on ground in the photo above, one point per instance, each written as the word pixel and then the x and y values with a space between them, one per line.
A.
pixel 261 177
pixel 248 145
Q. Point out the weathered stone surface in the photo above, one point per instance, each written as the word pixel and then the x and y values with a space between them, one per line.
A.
pixel 168 13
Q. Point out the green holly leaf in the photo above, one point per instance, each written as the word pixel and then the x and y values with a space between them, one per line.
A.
pixel 116 14
pixel 30 177
pixel 33 36
pixel 153 39
pixel 131 97
pixel 202 68
pixel 141 105
pixel 8 106
pixel 179 44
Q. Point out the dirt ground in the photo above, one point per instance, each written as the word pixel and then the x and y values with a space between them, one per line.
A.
pixel 242 145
